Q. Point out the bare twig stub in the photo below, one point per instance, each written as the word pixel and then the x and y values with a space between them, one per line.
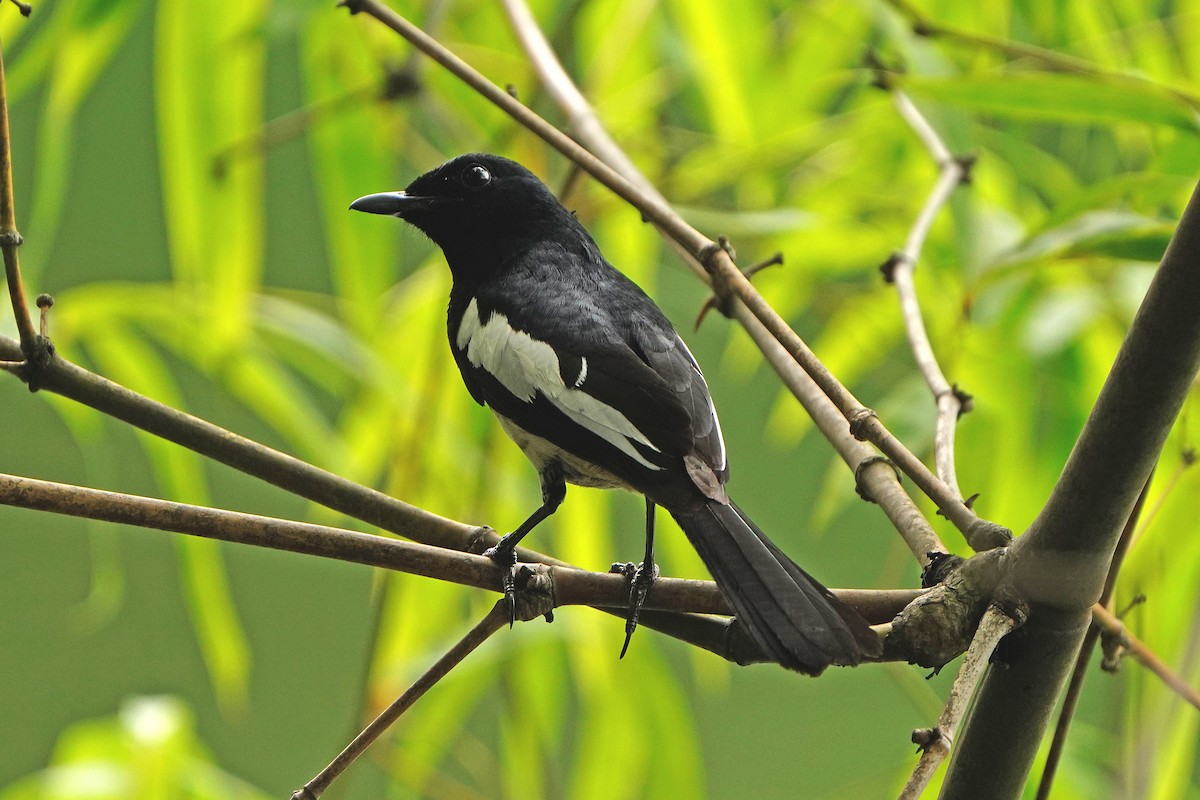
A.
pixel 1112 626
pixel 935 743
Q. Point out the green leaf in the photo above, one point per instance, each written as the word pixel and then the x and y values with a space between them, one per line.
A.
pixel 219 631
pixel 1065 98
pixel 1100 234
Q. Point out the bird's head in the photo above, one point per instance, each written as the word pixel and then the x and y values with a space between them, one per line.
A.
pixel 473 202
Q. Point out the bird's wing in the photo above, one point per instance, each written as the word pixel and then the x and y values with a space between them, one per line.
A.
pixel 670 358
pixel 596 399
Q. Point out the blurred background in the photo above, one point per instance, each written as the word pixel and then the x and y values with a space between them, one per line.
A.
pixel 183 172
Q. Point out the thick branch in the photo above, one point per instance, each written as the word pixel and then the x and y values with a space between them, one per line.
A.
pixel 1060 564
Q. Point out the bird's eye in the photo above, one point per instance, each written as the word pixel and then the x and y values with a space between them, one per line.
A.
pixel 476 176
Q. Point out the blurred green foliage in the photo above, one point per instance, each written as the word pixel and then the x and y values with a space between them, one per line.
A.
pixel 183 171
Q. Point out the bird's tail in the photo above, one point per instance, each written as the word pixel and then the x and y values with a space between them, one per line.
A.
pixel 795 619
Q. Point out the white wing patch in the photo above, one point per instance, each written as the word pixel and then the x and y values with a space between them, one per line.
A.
pixel 525 367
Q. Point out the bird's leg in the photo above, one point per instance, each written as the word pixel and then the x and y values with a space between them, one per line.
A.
pixel 504 553
pixel 642 577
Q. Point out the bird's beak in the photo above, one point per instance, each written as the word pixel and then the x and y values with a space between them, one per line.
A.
pixel 395 204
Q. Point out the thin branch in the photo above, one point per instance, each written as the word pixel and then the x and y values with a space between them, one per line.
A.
pixel 10 237
pixel 495 620
pixel 935 743
pixel 287 472
pixel 1075 688
pixel 1112 626
pixel 879 483
pixel 900 270
pixel 717 262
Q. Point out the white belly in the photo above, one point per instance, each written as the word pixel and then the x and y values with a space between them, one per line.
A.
pixel 575 470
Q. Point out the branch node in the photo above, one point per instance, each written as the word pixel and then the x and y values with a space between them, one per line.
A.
pixel 861 468
pixel 860 418
pixel 1011 604
pixel 353 6
pixel 399 81
pixel 1137 600
pixel 710 250
pixel 888 268
pixel 725 305
pixel 481 539
pixel 983 534
pixel 966 165
pixel 44 302
pixel 11 238
pixel 966 400
pixel 722 294
pixel 24 8
pixel 38 354
pixel 939 566
pixel 880 71
pixel 535 593
pixel 927 738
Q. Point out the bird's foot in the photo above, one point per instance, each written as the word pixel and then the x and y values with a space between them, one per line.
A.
pixel 504 556
pixel 641 578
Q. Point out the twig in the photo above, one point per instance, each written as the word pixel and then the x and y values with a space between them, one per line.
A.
pixel 10 237
pixel 716 302
pixel 936 743
pixel 880 484
pixel 951 402
pixel 24 8
pixel 495 620
pixel 1115 628
pixel 981 534
pixel 1079 673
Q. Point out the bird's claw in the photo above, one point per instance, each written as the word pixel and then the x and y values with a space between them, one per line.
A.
pixel 641 578
pixel 505 559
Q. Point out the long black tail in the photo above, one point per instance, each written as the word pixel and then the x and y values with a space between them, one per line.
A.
pixel 795 619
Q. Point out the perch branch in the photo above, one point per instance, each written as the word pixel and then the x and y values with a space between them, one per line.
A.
pixel 570 586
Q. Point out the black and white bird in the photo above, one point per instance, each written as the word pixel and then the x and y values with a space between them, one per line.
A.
pixel 587 376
